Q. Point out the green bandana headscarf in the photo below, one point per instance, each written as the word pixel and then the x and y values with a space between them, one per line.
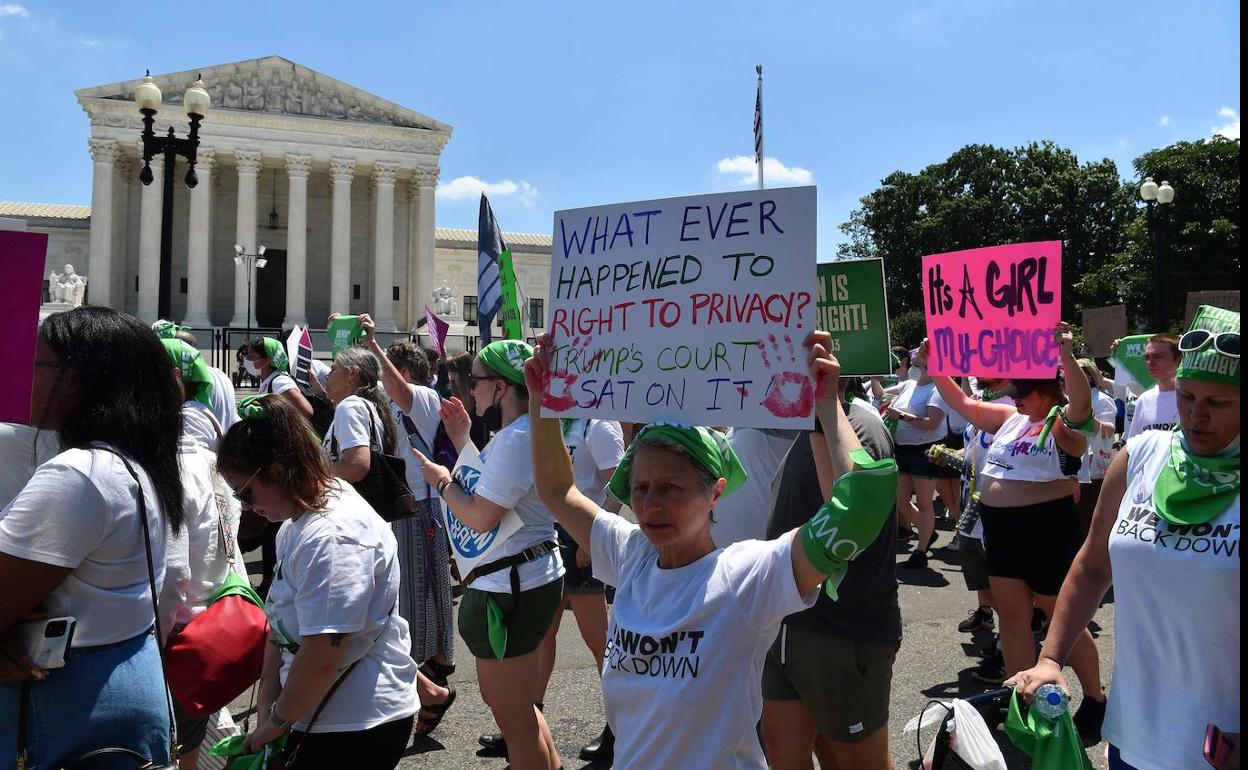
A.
pixel 506 359
pixel 167 330
pixel 275 351
pixel 252 408
pixel 1207 364
pixel 708 448
pixel 195 376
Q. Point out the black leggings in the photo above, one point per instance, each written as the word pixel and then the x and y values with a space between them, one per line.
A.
pixel 378 748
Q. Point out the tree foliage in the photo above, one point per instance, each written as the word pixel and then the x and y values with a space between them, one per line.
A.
pixel 987 196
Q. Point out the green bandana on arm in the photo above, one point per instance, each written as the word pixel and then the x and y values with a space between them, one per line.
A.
pixel 852 519
pixel 708 448
pixel 195 376
pixel 506 359
pixel 275 351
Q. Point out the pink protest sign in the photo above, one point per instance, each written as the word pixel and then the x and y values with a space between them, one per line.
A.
pixel 993 312
pixel 437 331
pixel 21 264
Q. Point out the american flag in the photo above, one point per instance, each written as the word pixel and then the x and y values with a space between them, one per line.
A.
pixel 758 122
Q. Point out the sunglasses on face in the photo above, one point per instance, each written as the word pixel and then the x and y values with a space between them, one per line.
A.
pixel 243 493
pixel 1226 343
pixel 475 379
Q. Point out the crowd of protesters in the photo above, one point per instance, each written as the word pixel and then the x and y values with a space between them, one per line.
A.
pixel 141 479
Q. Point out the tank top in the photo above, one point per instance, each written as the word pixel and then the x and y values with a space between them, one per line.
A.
pixel 1015 456
pixel 1176 622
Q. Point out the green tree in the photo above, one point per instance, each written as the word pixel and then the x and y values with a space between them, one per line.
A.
pixel 987 196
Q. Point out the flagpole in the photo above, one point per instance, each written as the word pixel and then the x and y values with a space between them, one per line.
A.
pixel 758 129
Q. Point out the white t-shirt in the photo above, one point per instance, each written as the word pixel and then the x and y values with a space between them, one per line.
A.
pixel 80 511
pixel 20 453
pixel 682 678
pixel 743 514
pixel 1176 623
pixel 224 407
pixel 424 415
pixel 916 398
pixel 507 481
pixel 356 423
pixel 594 446
pixel 1100 448
pixel 1156 409
pixel 197 558
pixel 200 425
pixel 1015 454
pixel 337 573
pixel 277 383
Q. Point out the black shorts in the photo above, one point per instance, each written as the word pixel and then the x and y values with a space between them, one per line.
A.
pixel 912 461
pixel 1033 543
pixel 576 580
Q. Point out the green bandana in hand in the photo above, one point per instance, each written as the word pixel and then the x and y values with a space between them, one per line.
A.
pixel 1207 364
pixel 1127 359
pixel 275 351
pixel 1051 745
pixel 252 408
pixel 708 448
pixel 1193 489
pixel 233 747
pixel 195 376
pixel 506 359
pixel 851 521
pixel 343 331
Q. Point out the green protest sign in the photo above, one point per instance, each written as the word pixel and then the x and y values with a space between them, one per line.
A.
pixel 1128 361
pixel 853 309
pixel 344 330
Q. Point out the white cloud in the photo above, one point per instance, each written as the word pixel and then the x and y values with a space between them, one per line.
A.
pixel 1230 129
pixel 91 42
pixel 1163 121
pixel 469 187
pixel 774 172
pixel 14 9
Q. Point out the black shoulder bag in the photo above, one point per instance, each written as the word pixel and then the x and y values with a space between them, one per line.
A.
pixel 385 486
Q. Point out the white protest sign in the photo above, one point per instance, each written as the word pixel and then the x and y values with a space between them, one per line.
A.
pixel 470 547
pixel 299 352
pixel 690 310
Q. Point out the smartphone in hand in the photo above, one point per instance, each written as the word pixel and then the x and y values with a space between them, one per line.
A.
pixel 46 641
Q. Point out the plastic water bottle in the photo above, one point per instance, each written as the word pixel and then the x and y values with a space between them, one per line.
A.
pixel 1051 701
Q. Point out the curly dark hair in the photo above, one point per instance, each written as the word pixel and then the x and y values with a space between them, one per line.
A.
pixel 282 447
pixel 128 396
pixel 405 355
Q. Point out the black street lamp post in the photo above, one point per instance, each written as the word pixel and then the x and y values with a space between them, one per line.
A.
pixel 1152 194
pixel 197 103
pixel 243 259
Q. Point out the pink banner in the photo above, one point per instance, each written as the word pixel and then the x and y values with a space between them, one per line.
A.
pixel 21 291
pixel 993 312
pixel 437 331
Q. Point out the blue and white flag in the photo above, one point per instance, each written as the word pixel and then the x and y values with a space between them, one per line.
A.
pixel 490 247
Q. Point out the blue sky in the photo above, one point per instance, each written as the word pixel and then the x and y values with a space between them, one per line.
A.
pixel 565 104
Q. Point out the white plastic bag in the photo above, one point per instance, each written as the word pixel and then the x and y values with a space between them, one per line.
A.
pixel 970 737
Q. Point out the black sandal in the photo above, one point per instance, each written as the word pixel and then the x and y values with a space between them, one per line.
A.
pixel 426 725
pixel 436 672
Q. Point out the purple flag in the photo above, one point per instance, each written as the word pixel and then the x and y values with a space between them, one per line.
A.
pixel 437 331
pixel 21 264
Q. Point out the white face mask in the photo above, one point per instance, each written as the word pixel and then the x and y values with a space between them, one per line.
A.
pixel 251 367
pixel 914 373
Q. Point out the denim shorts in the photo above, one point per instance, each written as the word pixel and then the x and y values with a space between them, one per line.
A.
pixel 111 696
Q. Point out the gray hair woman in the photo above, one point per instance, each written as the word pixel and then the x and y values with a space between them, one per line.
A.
pixel 361 414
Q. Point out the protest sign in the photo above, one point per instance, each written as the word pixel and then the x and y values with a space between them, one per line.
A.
pixel 299 352
pixel 21 263
pixel 1227 299
pixel 691 310
pixel 853 309
pixel 1128 362
pixel 437 329
pixel 343 331
pixel 1103 325
pixel 993 312
pixel 470 547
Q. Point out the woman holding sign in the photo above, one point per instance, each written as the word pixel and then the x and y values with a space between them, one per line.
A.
pixel 1031 524
pixel 692 622
pixel 1166 534
pixel 511 599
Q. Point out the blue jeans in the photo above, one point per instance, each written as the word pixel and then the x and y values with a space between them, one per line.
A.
pixel 107 696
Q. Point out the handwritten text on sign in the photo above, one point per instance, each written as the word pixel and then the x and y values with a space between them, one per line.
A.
pixel 685 309
pixel 993 311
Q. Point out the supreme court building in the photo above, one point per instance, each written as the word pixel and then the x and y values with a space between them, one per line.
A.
pixel 337 185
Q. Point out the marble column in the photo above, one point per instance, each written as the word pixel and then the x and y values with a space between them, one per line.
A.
pixel 297 169
pixel 99 269
pixel 420 288
pixel 199 239
pixel 151 197
pixel 342 170
pixel 249 162
pixel 384 173
pixel 125 176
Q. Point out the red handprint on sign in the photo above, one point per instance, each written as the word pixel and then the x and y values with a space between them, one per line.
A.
pixel 558 378
pixel 791 392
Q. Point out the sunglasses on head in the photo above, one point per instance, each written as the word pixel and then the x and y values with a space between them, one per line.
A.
pixel 1226 343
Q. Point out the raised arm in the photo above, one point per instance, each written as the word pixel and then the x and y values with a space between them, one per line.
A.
pixel 552 467
pixel 987 417
pixel 397 388
pixel 1079 393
